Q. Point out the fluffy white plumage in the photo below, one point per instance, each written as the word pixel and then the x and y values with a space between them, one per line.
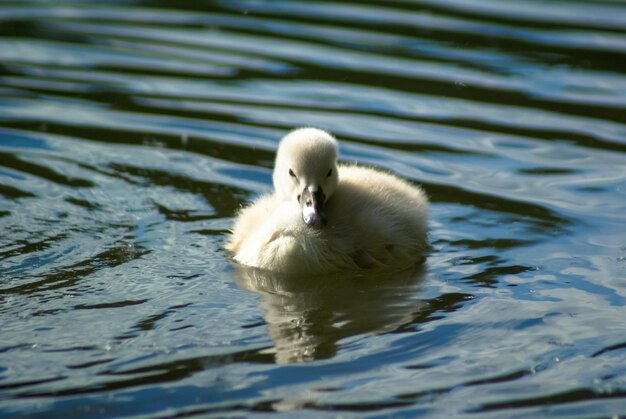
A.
pixel 324 217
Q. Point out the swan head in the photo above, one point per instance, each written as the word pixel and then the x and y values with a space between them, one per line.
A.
pixel 305 172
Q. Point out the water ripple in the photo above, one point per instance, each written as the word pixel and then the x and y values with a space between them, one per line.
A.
pixel 132 132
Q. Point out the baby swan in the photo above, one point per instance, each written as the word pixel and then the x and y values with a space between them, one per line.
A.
pixel 324 217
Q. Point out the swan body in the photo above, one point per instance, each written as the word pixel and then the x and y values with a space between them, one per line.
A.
pixel 325 217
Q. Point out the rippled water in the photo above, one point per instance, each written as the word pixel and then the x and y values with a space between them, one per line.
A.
pixel 132 131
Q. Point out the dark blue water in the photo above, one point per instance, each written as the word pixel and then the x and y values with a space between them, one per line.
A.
pixel 132 131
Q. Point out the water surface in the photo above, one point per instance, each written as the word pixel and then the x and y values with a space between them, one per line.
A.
pixel 132 131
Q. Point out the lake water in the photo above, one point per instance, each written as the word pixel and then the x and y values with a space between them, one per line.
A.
pixel 132 131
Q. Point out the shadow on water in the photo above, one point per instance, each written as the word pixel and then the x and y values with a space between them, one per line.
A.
pixel 307 317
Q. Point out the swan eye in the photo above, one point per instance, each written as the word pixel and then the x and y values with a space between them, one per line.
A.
pixel 291 173
pixel 330 172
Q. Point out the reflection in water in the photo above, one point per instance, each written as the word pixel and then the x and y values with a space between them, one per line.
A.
pixel 131 132
pixel 308 316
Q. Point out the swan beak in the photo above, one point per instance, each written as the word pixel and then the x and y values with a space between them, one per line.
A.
pixel 313 207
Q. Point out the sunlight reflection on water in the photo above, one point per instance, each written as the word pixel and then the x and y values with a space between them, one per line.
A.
pixel 130 134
